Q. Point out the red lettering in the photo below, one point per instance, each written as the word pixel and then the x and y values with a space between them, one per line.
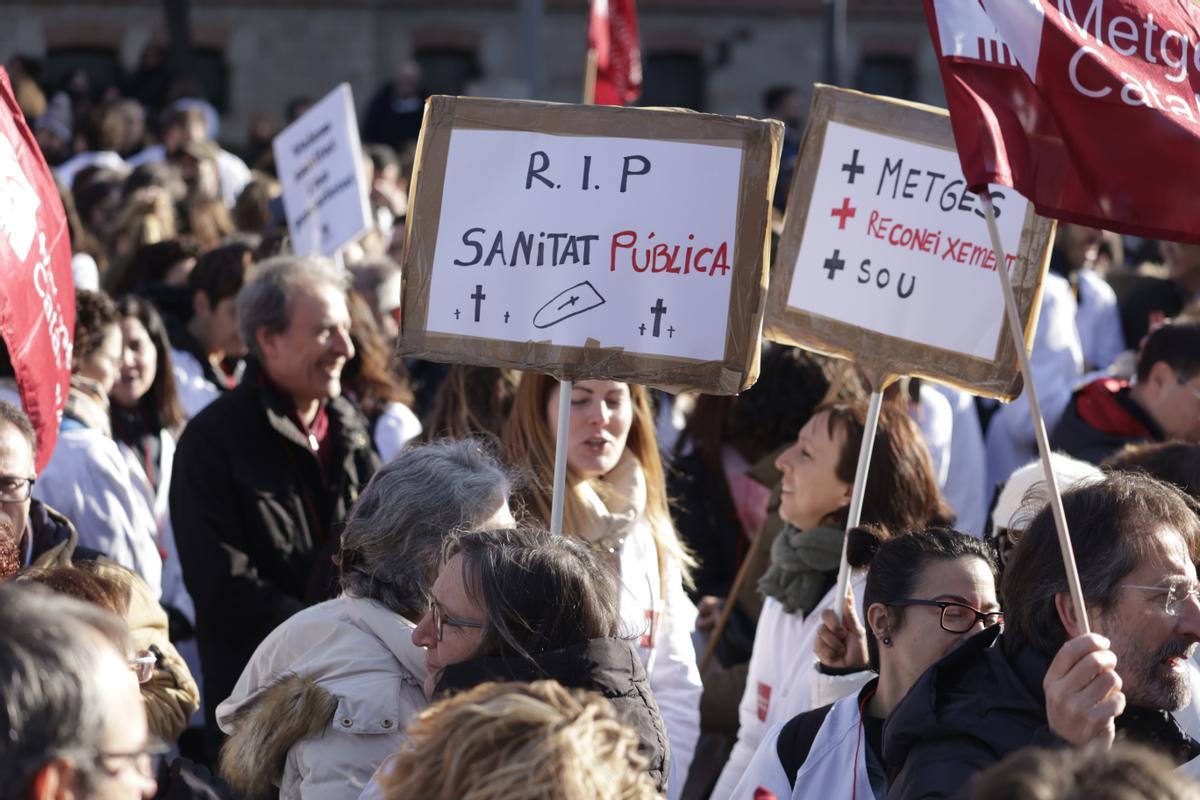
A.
pixel 629 240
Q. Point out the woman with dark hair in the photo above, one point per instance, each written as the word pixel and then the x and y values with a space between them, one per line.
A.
pixel 381 392
pixel 925 592
pixel 146 418
pixel 88 479
pixel 471 401
pixel 525 604
pixel 818 479
pixel 616 502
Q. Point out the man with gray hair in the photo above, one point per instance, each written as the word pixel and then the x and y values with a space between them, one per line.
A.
pixel 328 695
pixel 265 475
pixel 71 710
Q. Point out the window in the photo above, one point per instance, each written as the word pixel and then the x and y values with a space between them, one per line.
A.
pixel 673 79
pixel 447 70
pixel 891 76
pixel 102 65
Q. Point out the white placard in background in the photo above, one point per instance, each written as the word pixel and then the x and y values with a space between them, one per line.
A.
pixel 319 163
pixel 537 242
pixel 894 243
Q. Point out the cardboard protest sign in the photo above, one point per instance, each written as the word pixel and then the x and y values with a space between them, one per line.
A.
pixel 319 161
pixel 885 258
pixel 589 241
pixel 37 292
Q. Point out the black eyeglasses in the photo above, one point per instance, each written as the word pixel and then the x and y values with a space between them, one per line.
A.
pixel 439 620
pixel 143 759
pixel 15 489
pixel 956 617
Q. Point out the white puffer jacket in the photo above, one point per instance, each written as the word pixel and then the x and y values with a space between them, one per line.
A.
pixel 324 700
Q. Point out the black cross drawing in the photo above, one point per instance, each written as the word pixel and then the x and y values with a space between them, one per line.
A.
pixel 642 329
pixel 671 332
pixel 574 299
pixel 658 309
pixel 457 312
pixel 834 263
pixel 478 297
pixel 505 317
pixel 853 168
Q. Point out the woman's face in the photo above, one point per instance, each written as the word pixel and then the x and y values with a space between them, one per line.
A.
pixel 139 364
pixel 104 364
pixel 811 489
pixel 449 602
pixel 601 416
pixel 920 640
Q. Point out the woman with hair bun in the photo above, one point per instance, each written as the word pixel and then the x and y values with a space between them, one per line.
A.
pixel 818 478
pixel 925 593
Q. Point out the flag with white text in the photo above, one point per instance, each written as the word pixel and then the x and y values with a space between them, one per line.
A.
pixel 1090 108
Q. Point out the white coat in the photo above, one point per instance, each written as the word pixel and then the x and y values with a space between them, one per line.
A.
pixel 836 766
pixel 363 655
pixel 779 678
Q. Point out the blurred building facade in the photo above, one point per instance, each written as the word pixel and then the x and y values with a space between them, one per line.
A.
pixel 252 57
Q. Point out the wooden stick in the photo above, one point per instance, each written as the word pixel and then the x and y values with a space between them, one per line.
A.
pixel 860 489
pixel 589 77
pixel 1035 411
pixel 560 457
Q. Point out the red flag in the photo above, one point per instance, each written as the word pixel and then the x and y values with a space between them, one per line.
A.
pixel 1087 107
pixel 37 293
pixel 613 36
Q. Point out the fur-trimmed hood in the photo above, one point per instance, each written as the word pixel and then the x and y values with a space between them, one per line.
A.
pixel 325 698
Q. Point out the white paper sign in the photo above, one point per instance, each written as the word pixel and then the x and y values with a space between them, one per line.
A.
pixel 318 159
pixel 624 243
pixel 894 243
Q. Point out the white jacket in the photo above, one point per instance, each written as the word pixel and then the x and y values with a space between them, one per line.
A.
pixel 360 653
pixel 836 766
pixel 779 679
pixel 395 428
pixel 90 483
pixel 195 390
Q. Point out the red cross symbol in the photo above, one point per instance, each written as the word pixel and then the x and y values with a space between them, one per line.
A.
pixel 844 213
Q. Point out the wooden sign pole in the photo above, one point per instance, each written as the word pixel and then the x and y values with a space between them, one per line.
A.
pixel 560 457
pixel 1035 411
pixel 860 488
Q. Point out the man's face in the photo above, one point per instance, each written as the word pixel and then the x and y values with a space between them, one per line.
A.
pixel 1078 244
pixel 16 464
pixel 1151 645
pixel 1183 264
pixel 306 359
pixel 124 769
pixel 1173 402
pixel 225 336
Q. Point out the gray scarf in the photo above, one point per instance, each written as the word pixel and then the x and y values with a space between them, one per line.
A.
pixel 801 565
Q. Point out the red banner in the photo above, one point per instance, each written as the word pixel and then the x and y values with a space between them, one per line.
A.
pixel 37 293
pixel 1090 108
pixel 613 37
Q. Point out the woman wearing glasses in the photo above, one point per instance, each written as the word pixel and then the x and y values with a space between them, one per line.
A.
pixel 525 604
pixel 925 593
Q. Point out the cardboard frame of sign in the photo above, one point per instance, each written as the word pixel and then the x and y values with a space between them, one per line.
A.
pixel 929 230
pixel 476 166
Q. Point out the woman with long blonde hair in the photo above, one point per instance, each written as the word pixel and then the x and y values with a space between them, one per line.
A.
pixel 616 501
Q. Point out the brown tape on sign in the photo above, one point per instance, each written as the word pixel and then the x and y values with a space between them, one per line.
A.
pixel 590 242
pixel 885 257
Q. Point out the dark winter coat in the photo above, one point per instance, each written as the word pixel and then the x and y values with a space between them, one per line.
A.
pixel 977 705
pixel 1100 420
pixel 256 521
pixel 610 667
pixel 54 538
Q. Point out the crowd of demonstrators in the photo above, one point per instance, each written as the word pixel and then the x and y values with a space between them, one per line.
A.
pixel 305 544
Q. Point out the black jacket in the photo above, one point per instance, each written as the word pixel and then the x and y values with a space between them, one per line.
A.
pixel 255 520
pixel 1101 419
pixel 54 538
pixel 977 705
pixel 610 667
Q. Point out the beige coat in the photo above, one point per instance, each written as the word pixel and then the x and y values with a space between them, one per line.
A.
pixel 325 698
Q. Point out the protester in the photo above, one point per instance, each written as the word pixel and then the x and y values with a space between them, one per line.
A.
pixel 818 476
pixel 88 478
pixel 1042 681
pixel 616 502
pixel 183 127
pixel 168 691
pixel 1126 772
pixel 925 593
pixel 1176 463
pixel 380 390
pixel 202 345
pixel 265 475
pixel 545 607
pixel 1163 403
pixel 378 282
pixel 472 401
pixel 102 131
pixel 519 741
pixel 355 655
pixel 395 111
pixel 74 725
pixel 39 535
pixel 1097 318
